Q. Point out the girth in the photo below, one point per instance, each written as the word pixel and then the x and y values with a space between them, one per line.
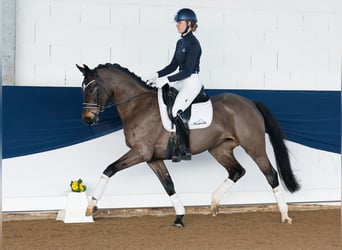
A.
pixel 169 97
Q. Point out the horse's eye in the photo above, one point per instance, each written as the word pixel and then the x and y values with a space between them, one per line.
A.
pixel 92 89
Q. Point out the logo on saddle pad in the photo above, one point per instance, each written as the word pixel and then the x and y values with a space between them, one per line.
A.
pixel 201 114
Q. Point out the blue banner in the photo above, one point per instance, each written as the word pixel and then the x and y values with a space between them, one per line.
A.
pixel 38 119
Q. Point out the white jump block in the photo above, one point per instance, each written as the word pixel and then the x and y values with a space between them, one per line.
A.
pixel 75 208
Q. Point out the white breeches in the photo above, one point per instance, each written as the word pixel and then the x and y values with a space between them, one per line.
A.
pixel 188 89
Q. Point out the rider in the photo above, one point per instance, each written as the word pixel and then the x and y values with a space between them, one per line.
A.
pixel 186 81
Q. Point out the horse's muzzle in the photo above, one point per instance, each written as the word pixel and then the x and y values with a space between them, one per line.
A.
pixel 90 118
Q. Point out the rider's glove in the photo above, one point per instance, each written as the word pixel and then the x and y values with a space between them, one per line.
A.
pixel 160 82
pixel 152 79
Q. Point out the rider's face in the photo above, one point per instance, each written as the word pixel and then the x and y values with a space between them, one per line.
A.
pixel 181 26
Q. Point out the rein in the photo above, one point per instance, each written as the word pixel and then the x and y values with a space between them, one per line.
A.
pixel 100 107
pixel 93 105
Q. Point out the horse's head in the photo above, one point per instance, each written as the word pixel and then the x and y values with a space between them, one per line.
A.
pixel 110 81
pixel 94 95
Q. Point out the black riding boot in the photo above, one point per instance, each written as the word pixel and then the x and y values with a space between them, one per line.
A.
pixel 182 151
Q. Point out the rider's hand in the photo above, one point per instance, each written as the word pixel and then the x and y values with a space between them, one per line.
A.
pixel 152 79
pixel 160 82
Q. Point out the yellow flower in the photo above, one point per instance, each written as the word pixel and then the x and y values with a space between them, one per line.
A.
pixel 74 185
pixel 78 186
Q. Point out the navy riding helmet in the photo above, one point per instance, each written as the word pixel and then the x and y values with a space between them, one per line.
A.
pixel 186 14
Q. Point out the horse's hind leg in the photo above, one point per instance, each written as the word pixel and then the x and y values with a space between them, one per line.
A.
pixel 261 159
pixel 272 178
pixel 223 153
pixel 164 177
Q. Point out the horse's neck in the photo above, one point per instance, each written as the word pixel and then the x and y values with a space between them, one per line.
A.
pixel 128 92
pixel 123 86
pixel 127 89
pixel 129 97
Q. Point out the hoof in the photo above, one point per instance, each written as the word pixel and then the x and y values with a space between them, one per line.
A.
pixel 214 210
pixel 178 222
pixel 286 219
pixel 91 211
pixel 179 225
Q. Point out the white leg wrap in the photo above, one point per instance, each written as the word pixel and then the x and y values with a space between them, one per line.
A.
pixel 177 204
pixel 283 208
pixel 101 185
pixel 280 200
pixel 221 190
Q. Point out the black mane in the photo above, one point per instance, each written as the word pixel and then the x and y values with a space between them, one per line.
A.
pixel 125 70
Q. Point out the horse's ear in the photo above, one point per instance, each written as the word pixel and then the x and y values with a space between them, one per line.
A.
pixel 86 68
pixel 81 69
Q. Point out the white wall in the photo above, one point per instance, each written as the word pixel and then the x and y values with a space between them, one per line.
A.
pixel 41 181
pixel 246 44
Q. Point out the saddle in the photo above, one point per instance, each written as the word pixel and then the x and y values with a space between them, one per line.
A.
pixel 169 96
pixel 199 114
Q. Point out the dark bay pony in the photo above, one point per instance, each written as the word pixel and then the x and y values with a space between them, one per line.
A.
pixel 236 121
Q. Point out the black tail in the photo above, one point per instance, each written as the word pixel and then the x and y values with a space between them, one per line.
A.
pixel 280 150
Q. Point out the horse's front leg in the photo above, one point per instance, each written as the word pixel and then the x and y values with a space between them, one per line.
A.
pixel 132 157
pixel 164 177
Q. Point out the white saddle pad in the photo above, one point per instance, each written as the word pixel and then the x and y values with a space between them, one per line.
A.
pixel 201 114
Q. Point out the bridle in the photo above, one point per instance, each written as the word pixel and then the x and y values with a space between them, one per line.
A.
pixel 97 105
